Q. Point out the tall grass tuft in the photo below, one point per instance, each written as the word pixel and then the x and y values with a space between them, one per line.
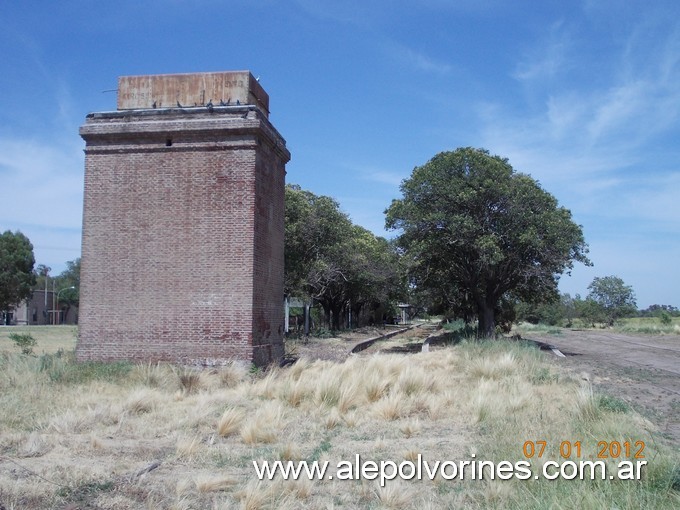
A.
pixel 230 422
pixel 264 426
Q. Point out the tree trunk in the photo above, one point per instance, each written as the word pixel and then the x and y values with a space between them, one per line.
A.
pixel 336 318
pixel 486 319
pixel 326 314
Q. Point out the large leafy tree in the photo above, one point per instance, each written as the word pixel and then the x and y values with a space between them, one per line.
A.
pixel 615 298
pixel 478 234
pixel 16 268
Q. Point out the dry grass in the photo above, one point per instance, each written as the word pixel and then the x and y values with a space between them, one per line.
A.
pixel 230 422
pixel 85 436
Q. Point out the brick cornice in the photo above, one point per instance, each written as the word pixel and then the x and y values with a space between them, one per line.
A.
pixel 221 127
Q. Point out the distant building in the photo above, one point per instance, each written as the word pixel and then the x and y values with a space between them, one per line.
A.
pixel 41 309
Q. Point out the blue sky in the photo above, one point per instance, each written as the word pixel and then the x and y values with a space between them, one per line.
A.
pixel 584 96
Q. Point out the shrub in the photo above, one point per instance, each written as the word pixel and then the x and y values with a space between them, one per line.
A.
pixel 25 341
pixel 665 318
pixel 612 404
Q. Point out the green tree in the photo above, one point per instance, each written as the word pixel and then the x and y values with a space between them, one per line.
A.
pixel 68 285
pixel 342 266
pixel 485 233
pixel 656 310
pixel 16 268
pixel 315 231
pixel 616 299
pixel 551 312
pixel 373 274
pixel 589 311
pixel 42 277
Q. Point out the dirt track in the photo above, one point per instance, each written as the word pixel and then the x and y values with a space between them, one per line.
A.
pixel 642 370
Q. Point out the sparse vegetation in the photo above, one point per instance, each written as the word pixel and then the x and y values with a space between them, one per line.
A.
pixel 648 326
pixel 85 440
pixel 24 341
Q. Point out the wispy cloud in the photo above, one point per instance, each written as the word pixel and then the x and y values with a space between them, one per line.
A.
pixel 606 127
pixel 384 177
pixel 547 60
pixel 424 62
pixel 417 60
pixel 353 12
pixel 52 174
pixel 595 145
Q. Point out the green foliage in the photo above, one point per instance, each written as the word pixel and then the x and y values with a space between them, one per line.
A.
pixel 590 312
pixel 455 325
pixel 665 318
pixel 526 329
pixel 615 298
pixel 456 331
pixel 543 375
pixel 16 268
pixel 62 368
pixel 86 491
pixel 612 404
pixel 474 232
pixel 658 310
pixel 24 341
pixel 551 313
pixel 647 326
pixel 338 264
pixel 324 333
pixel 69 284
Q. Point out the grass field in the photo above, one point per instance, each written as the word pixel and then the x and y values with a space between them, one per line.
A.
pixel 89 435
pixel 50 339
pixel 634 325
pixel 648 325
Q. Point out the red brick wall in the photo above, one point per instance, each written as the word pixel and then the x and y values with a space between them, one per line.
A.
pixel 182 237
pixel 269 229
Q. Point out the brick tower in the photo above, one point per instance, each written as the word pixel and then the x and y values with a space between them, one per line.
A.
pixel 182 256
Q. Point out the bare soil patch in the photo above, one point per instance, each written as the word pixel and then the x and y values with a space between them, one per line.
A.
pixel 642 370
pixel 337 348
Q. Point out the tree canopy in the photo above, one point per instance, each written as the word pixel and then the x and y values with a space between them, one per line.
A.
pixel 68 285
pixel 476 233
pixel 16 268
pixel 615 298
pixel 342 266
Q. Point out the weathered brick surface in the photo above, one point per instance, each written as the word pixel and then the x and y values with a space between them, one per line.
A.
pixel 182 236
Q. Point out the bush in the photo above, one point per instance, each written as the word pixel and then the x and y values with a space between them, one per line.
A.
pixel 665 318
pixel 25 341
pixel 612 404
pixel 550 313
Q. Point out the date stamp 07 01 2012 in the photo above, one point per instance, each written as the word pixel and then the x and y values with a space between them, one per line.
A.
pixel 605 449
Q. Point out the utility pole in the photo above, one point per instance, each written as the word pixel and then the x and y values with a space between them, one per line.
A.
pixel 45 311
pixel 54 306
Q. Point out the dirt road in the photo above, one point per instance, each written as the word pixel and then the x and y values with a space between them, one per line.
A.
pixel 642 370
